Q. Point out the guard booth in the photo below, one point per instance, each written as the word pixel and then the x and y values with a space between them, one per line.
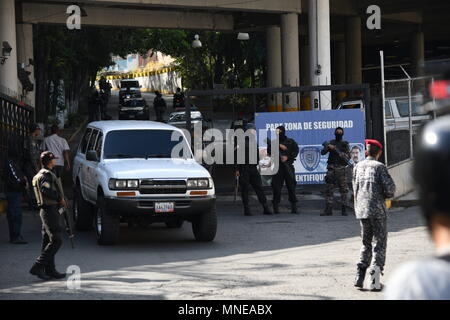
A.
pixel 224 106
pixel 15 120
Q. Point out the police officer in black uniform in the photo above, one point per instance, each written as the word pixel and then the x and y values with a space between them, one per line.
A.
pixel 50 198
pixel 247 171
pixel 286 172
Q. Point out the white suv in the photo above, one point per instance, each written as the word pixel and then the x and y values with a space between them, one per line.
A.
pixel 125 171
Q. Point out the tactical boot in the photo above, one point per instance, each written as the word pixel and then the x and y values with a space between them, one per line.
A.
pixel 51 272
pixel 39 270
pixel 344 210
pixel 375 277
pixel 328 210
pixel 247 211
pixel 294 208
pixel 276 209
pixel 360 275
pixel 267 210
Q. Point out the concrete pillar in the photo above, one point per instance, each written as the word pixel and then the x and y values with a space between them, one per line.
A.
pixel 24 54
pixel 290 59
pixel 320 52
pixel 353 45
pixel 418 52
pixel 8 71
pixel 274 78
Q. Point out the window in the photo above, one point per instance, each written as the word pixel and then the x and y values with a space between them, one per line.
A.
pixel 98 147
pixel 85 140
pixel 177 117
pixel 92 140
pixel 143 144
pixel 403 107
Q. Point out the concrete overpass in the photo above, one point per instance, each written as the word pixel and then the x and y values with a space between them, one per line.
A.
pixel 301 34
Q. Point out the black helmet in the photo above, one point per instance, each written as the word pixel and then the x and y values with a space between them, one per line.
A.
pixel 432 167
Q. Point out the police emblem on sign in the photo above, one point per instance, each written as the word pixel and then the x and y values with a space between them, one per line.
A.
pixel 310 158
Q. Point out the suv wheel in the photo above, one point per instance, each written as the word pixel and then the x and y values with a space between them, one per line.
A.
pixel 177 224
pixel 106 225
pixel 205 226
pixel 83 211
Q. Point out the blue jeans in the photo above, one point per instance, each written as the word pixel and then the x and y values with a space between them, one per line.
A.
pixel 14 214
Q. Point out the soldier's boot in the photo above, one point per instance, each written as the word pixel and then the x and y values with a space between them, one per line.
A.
pixel 38 270
pixel 294 208
pixel 360 276
pixel 53 273
pixel 276 208
pixel 344 210
pixel 375 279
pixel 247 211
pixel 328 210
pixel 267 209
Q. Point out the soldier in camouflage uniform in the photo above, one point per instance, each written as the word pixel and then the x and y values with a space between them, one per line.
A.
pixel 372 185
pixel 338 161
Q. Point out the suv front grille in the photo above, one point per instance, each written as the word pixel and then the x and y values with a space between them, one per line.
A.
pixel 162 186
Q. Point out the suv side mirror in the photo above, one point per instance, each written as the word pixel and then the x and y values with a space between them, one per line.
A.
pixel 91 155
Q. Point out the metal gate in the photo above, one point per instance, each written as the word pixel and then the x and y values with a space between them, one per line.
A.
pixel 15 119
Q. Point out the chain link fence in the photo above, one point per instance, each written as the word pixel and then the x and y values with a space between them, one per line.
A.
pixel 403 100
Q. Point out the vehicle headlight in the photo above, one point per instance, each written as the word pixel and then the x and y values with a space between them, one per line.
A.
pixel 198 183
pixel 133 184
pixel 121 184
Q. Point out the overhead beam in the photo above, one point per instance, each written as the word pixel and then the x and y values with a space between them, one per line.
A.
pixel 97 16
pixel 267 6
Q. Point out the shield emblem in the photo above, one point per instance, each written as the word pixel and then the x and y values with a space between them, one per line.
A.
pixel 310 157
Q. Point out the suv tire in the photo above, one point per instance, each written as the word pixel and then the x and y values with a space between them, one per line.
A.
pixel 83 211
pixel 106 225
pixel 205 226
pixel 176 224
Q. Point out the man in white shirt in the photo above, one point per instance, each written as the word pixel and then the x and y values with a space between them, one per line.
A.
pixel 60 148
pixel 429 279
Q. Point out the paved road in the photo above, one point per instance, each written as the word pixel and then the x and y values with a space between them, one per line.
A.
pixel 259 257
pixel 113 104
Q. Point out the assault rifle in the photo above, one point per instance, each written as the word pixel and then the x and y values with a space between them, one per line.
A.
pixel 341 154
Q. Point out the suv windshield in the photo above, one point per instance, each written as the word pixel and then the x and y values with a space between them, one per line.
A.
pixel 403 107
pixel 129 84
pixel 120 144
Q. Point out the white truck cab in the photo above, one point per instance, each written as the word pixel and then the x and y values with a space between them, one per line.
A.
pixel 126 171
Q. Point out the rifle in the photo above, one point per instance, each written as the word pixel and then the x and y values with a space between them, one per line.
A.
pixel 341 154
pixel 63 212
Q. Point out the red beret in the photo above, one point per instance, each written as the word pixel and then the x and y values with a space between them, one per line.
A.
pixel 374 142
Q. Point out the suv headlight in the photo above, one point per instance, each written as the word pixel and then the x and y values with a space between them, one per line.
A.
pixel 121 184
pixel 198 183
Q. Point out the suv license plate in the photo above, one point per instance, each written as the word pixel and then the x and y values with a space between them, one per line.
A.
pixel 164 207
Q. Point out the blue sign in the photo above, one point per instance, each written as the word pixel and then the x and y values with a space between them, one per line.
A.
pixel 310 129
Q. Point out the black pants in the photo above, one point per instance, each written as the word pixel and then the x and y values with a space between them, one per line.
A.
pixel 286 173
pixel 159 114
pixel 249 176
pixel 51 235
